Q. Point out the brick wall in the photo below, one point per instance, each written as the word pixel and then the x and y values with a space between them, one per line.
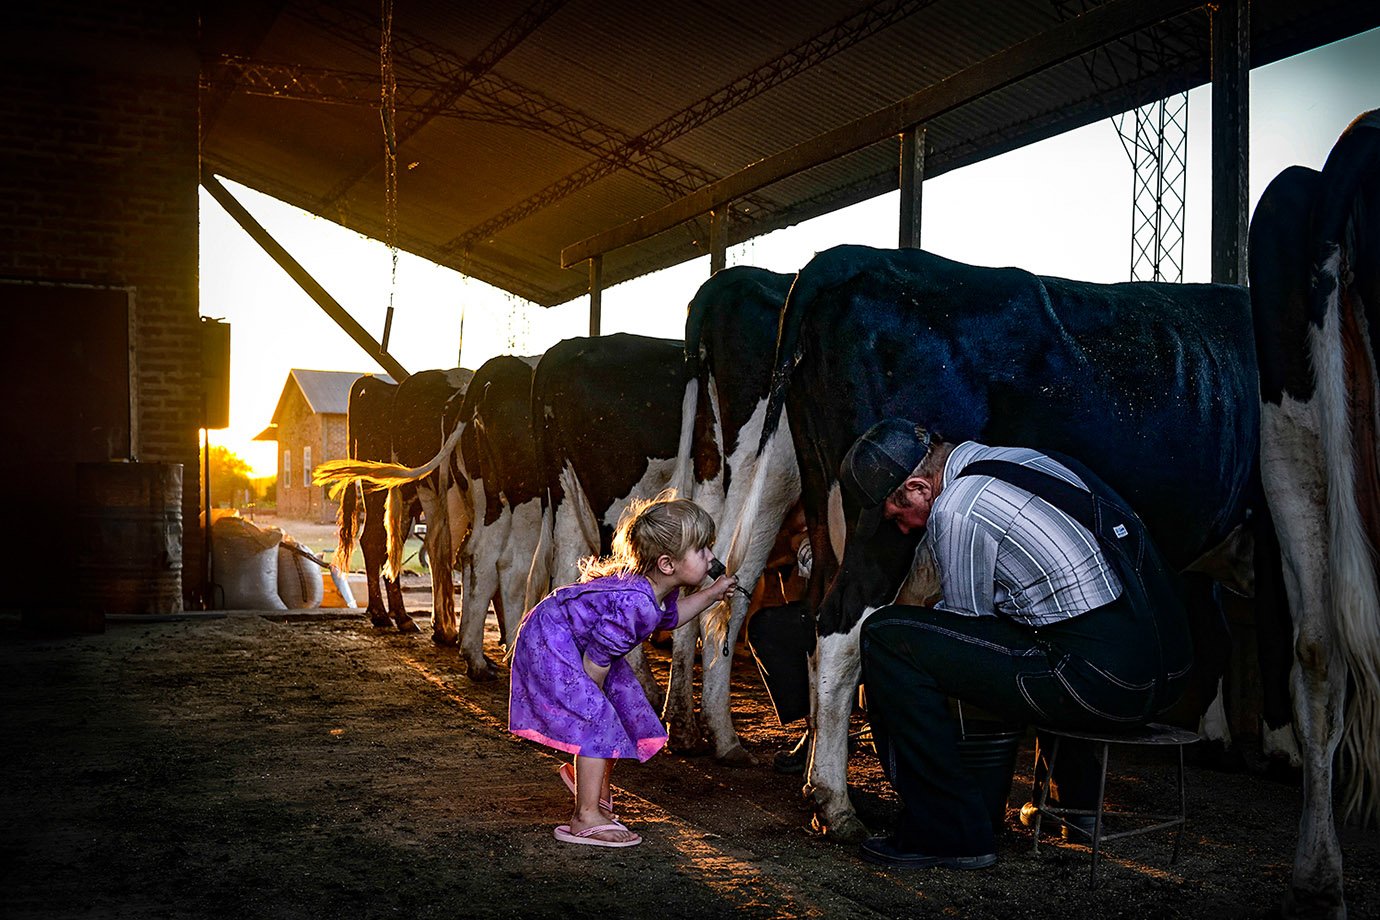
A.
pixel 328 437
pixel 298 427
pixel 98 185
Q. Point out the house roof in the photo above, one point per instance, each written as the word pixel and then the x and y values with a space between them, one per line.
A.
pixel 522 128
pixel 325 392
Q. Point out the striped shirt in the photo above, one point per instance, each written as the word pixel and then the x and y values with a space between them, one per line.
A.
pixel 1001 550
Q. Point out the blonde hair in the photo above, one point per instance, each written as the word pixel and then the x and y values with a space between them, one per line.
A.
pixel 649 529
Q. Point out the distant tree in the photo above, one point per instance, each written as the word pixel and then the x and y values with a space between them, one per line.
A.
pixel 231 482
pixel 267 489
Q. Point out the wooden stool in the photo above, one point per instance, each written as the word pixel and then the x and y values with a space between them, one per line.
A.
pixel 1151 734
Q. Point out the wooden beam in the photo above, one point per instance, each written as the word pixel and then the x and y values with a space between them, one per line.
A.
pixel 596 294
pixel 316 292
pixel 718 244
pixel 1091 30
pixel 912 185
pixel 1231 152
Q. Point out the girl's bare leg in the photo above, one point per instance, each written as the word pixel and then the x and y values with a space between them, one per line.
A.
pixel 591 784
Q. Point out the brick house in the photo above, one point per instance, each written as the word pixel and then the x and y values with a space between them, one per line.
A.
pixel 309 424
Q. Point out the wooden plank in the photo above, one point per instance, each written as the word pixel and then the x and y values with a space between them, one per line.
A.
pixel 718 243
pixel 316 292
pixel 912 186
pixel 596 294
pixel 1231 100
pixel 1068 40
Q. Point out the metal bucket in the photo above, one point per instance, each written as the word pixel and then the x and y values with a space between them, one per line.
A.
pixel 988 752
pixel 129 537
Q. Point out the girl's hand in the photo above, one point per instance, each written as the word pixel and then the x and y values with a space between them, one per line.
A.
pixel 722 587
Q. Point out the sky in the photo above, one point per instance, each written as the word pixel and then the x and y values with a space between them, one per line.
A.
pixel 1059 207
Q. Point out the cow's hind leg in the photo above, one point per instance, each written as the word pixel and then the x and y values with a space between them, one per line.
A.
pixel 397 613
pixel 838 667
pixel 373 544
pixel 679 712
pixel 479 584
pixel 1296 485
pixel 720 633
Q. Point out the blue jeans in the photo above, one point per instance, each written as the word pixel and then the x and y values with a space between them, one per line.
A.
pixel 1094 671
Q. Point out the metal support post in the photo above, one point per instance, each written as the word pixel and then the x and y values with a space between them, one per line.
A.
pixel 912 183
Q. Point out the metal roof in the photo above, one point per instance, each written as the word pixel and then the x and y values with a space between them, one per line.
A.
pixel 326 392
pixel 522 128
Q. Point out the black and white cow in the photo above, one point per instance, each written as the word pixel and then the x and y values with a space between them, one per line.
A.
pixel 490 519
pixel 606 417
pixel 1152 385
pixel 1315 285
pixel 496 469
pixel 371 438
pixel 417 426
pixel 730 339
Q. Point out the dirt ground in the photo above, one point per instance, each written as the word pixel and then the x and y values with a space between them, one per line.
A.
pixel 310 765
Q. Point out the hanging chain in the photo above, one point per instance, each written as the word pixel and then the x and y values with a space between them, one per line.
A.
pixel 389 88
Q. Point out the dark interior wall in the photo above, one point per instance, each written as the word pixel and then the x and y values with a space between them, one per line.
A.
pixel 98 191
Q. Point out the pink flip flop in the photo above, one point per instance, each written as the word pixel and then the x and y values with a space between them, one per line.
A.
pixel 567 772
pixel 586 836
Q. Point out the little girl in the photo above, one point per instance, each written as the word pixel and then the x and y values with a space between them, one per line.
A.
pixel 572 690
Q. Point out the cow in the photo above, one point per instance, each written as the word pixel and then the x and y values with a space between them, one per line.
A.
pixel 496 468
pixel 730 338
pixel 417 427
pixel 1315 285
pixel 1151 385
pixel 489 520
pixel 606 422
pixel 370 438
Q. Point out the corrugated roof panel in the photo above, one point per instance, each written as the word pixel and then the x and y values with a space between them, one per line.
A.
pixel 542 156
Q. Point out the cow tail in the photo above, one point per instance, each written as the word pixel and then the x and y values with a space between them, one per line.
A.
pixel 347 525
pixel 1352 573
pixel 395 513
pixel 539 576
pixel 384 475
pixel 682 479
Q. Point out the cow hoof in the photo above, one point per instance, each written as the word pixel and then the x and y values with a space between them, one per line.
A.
pixel 405 625
pixel 482 673
pixel 736 756
pixel 687 742
pixel 440 639
pixel 380 620
pixel 847 829
pixel 792 762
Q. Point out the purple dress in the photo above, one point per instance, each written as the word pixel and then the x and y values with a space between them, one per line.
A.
pixel 551 698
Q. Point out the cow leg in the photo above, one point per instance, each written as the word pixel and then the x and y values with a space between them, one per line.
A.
pixel 1275 655
pixel 721 633
pixel 1296 485
pixel 438 547
pixel 515 563
pixel 838 668
pixel 1319 684
pixel 373 543
pixel 679 712
pixel 397 611
pixel 478 583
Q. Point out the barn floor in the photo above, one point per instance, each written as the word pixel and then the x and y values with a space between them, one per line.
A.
pixel 312 766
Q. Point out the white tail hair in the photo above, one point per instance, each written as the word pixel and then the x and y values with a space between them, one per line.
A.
pixel 1355 601
pixel 682 479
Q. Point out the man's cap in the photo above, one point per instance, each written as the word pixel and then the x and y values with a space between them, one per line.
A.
pixel 881 459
